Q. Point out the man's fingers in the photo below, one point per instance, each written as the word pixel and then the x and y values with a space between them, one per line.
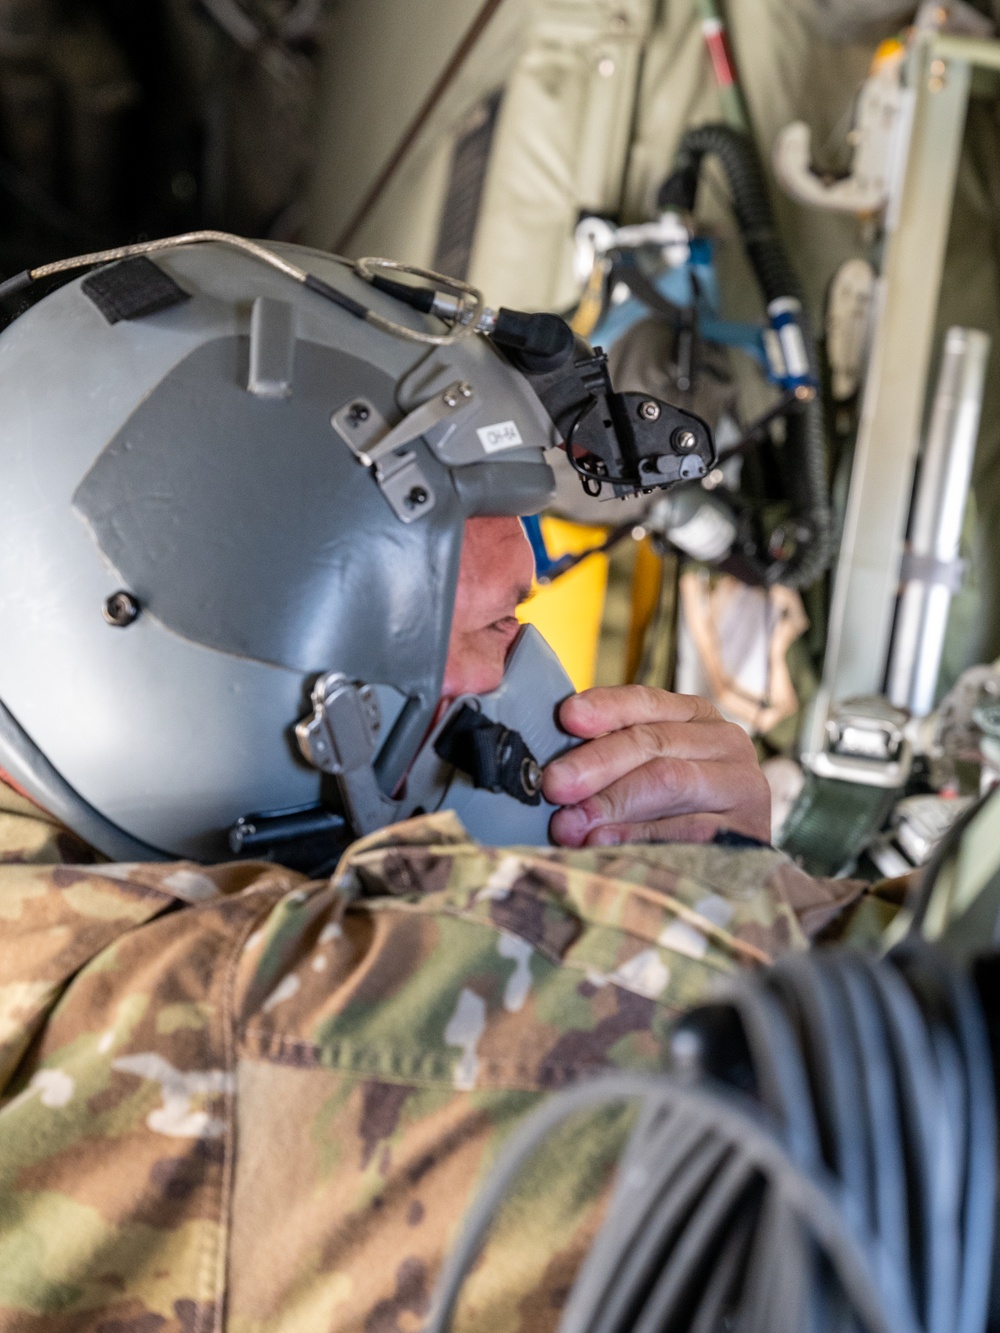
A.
pixel 590 768
pixel 609 708
pixel 667 787
pixel 677 828
pixel 674 828
pixel 654 766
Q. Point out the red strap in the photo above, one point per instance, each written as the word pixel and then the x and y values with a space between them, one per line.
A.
pixel 8 781
pixel 718 51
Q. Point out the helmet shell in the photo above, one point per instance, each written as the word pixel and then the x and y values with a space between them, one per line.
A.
pixel 260 550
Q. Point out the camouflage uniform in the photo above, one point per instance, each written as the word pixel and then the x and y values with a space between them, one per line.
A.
pixel 233 1098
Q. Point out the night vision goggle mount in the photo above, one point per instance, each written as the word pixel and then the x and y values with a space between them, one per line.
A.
pixel 619 444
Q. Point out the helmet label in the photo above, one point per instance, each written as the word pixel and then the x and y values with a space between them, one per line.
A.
pixel 504 435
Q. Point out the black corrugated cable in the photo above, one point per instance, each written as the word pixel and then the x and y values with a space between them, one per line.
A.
pixel 806 430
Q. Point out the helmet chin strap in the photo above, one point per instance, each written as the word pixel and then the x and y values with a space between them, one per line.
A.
pixel 495 757
pixel 485 756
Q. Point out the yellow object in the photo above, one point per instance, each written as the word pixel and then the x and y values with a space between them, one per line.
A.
pixel 647 579
pixel 588 312
pixel 890 52
pixel 568 612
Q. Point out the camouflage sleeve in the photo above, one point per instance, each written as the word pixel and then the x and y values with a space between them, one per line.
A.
pixel 29 835
pixel 268 1107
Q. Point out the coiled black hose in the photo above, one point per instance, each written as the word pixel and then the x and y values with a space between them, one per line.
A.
pixel 806 432
pixel 712 1226
pixel 845 1179
pixel 894 1090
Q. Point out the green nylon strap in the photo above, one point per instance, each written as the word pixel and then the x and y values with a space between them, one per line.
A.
pixel 832 822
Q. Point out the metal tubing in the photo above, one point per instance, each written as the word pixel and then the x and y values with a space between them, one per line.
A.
pixel 939 508
pixel 919 213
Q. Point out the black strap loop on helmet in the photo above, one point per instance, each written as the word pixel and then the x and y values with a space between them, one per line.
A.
pixel 493 756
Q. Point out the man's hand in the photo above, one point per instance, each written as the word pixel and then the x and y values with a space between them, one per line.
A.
pixel 655 767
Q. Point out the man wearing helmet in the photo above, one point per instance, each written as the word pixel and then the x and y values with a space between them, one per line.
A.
pixel 665 767
pixel 230 582
pixel 237 1096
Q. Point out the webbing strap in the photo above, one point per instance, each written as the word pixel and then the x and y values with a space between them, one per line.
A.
pixel 832 822
pixel 493 756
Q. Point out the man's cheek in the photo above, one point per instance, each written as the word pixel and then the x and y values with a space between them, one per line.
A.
pixel 475 663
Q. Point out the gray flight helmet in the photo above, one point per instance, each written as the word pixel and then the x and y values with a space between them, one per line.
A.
pixel 196 525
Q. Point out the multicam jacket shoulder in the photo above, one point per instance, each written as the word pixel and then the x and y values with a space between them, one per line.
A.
pixel 234 1099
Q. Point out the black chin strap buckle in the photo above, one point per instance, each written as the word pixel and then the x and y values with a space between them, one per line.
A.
pixel 492 755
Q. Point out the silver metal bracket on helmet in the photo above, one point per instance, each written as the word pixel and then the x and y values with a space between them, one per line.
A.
pixel 399 476
pixel 341 738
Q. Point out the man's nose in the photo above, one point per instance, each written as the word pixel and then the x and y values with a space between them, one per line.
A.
pixel 520 558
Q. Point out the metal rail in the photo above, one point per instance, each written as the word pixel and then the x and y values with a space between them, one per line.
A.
pixel 919 214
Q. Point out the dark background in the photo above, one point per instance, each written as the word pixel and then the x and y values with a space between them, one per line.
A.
pixel 127 119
